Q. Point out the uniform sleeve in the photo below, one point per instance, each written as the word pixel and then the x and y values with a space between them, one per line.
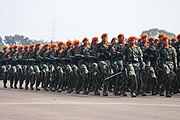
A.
pixel 174 57
pixel 140 55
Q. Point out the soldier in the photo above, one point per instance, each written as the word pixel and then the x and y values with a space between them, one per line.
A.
pixel 177 46
pixel 59 74
pixel 74 51
pixel 13 75
pixel 148 73
pixel 18 56
pixel 122 80
pixel 67 54
pixel 103 47
pixel 94 41
pixel 103 56
pixel 3 63
pixel 50 64
pixel 142 81
pixel 83 64
pixel 113 62
pixel 24 64
pixel 167 61
pixel 94 73
pixel 58 52
pixel 159 44
pixel 41 56
pixel 173 42
pixel 29 67
pixel 133 58
pixel 76 71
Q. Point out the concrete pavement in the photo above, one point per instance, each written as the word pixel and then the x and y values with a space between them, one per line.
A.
pixel 41 105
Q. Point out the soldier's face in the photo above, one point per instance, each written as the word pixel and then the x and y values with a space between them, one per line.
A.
pixel 85 42
pixel 76 45
pixel 120 39
pixel 114 42
pixel 143 39
pixel 165 42
pixel 105 39
pixel 151 42
pixel 132 42
pixel 160 39
pixel 70 46
pixel 61 46
pixel 178 39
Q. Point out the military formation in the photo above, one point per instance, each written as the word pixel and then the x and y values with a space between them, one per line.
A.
pixel 140 66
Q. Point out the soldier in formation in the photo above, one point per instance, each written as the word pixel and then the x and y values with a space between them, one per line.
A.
pixel 138 65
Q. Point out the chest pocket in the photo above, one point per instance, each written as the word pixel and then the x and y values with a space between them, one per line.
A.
pixel 129 54
pixel 135 54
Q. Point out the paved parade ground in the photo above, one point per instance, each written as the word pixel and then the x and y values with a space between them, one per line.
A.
pixel 41 105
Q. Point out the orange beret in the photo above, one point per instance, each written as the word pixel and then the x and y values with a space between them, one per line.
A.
pixel 69 42
pixel 76 42
pixel 15 46
pixel 174 39
pixel 46 45
pixel 11 47
pixel 5 47
pixel 120 35
pixel 161 35
pixel 144 36
pixel 85 39
pixel 131 38
pixel 178 36
pixel 104 35
pixel 156 39
pixel 53 45
pixel 61 43
pixel 139 39
pixel 20 47
pixel 31 46
pixel 165 38
pixel 151 39
pixel 95 39
pixel 26 47
pixel 37 44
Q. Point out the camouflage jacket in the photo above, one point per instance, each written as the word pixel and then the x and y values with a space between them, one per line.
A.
pixel 167 55
pixel 133 55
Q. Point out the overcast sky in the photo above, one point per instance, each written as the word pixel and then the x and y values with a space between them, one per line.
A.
pixel 76 19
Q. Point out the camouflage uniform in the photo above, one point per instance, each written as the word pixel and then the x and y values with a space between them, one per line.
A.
pixel 67 54
pixel 122 78
pixel 12 76
pixel 18 57
pixel 177 47
pixel 42 56
pixel 167 62
pixel 147 75
pixel 133 58
pixel 150 58
pixel 3 66
pixel 104 54
pixel 84 65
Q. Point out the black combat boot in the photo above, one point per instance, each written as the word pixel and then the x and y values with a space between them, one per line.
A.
pixel 133 94
pixel 5 86
pixel 168 94
pixel 105 91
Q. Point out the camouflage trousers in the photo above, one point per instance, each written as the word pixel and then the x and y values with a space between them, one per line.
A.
pixel 133 76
